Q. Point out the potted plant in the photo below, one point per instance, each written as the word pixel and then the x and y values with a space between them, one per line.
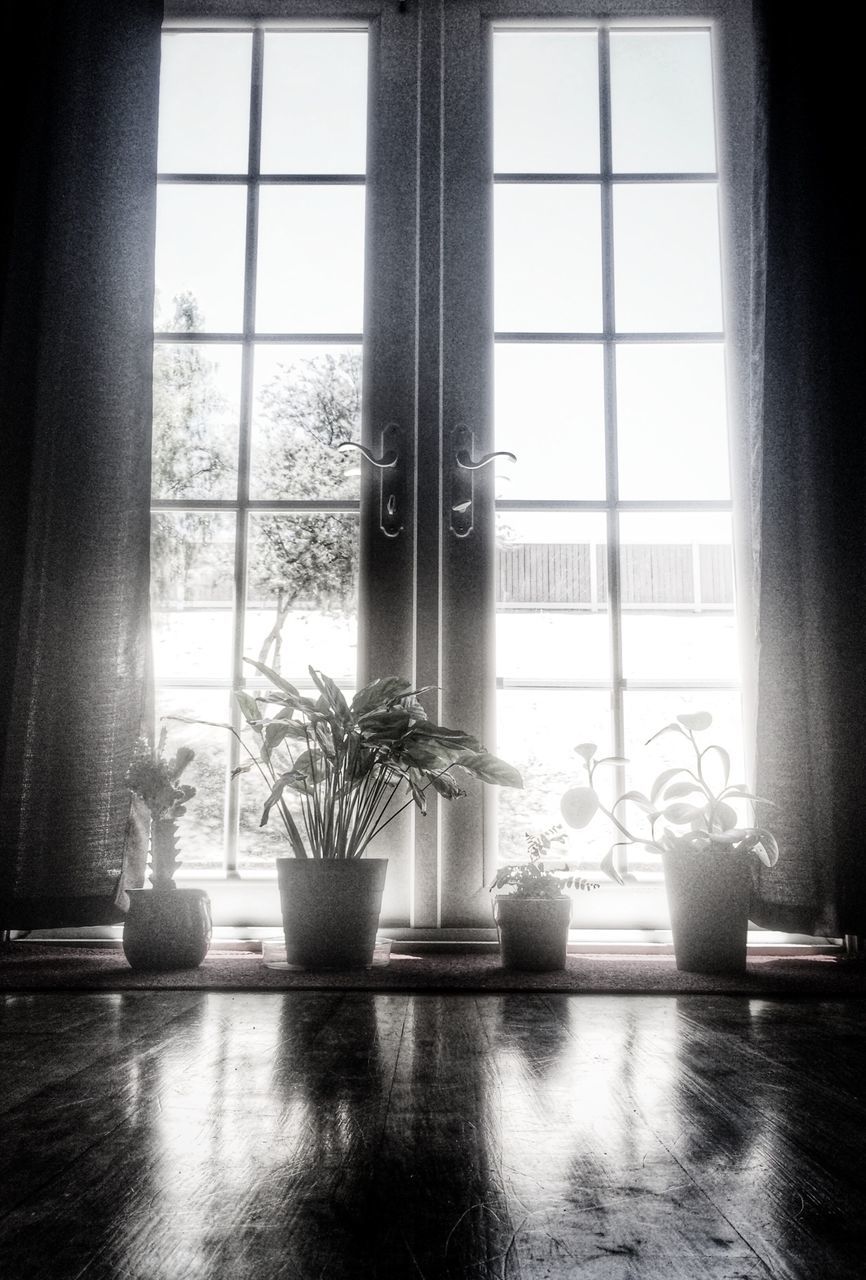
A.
pixel 352 766
pixel 705 850
pixel 165 927
pixel 533 915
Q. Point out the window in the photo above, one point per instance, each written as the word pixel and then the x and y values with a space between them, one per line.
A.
pixel 449 231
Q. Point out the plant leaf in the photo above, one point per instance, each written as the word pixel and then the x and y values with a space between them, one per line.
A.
pixel 669 728
pixel 274 676
pixel 489 768
pixel 696 720
pixel 579 806
pixel 638 798
pixel 681 813
pixel 276 730
pixel 608 866
pixel 250 709
pixel 611 760
pixel 679 789
pixel 723 757
pixel 332 694
pixel 379 694
pixel 725 816
pixel 587 750
pixel 663 778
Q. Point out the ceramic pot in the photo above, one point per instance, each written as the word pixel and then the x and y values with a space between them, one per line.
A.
pixel 533 932
pixel 167 928
pixel 331 910
pixel 708 897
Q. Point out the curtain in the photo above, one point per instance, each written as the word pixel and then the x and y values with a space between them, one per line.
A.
pixel 808 421
pixel 76 274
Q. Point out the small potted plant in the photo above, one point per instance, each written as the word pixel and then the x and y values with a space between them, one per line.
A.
pixel 165 927
pixel 533 915
pixel 352 766
pixel 705 850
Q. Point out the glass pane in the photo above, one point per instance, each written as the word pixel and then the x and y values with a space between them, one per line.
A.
pixel 551 619
pixel 201 828
pixel 661 87
pixel 550 412
pixel 537 731
pixel 302 593
pixel 204 102
pixel 314 103
pixel 196 407
pixel 311 260
pixel 200 235
pixel 672 421
pixel 306 400
pixel 192 583
pixel 545 102
pixel 678 597
pixel 645 712
pixel 666 255
pixel 547 264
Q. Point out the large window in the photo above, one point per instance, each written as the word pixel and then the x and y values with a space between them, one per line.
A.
pixel 455 233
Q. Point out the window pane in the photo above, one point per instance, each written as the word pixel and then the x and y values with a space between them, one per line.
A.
pixel 676 578
pixel 201 827
pixel 537 731
pixel 662 102
pixel 200 235
pixel 314 104
pixel 306 400
pixel 192 579
pixel 547 264
pixel 196 407
pixel 302 593
pixel 204 102
pixel 545 102
pixel 311 260
pixel 550 412
pixel 671 421
pixel 551 620
pixel 666 255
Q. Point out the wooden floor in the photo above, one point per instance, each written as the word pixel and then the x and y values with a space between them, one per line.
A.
pixel 320 1135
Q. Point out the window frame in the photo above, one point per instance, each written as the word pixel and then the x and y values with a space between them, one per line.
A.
pixel 429 82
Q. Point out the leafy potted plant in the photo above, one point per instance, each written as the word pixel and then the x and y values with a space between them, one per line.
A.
pixel 353 766
pixel 533 915
pixel 705 850
pixel 165 927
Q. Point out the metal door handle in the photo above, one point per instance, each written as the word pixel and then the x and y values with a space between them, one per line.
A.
pixel 464 460
pixel 388 459
pixel 461 495
pixel 392 479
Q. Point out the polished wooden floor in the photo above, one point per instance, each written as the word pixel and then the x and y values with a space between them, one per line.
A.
pixel 319 1135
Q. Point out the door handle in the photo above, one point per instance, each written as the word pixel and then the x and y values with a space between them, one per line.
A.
pixel 392 480
pixel 462 482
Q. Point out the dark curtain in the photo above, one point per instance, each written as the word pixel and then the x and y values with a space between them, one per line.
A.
pixel 76 274
pixel 809 485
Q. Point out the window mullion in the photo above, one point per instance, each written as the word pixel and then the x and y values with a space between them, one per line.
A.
pixel 232 824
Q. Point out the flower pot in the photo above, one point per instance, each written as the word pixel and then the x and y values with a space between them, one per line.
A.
pixel 167 928
pixel 331 910
pixel 708 896
pixel 533 932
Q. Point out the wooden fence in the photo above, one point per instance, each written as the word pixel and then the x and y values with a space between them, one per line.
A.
pixel 574 574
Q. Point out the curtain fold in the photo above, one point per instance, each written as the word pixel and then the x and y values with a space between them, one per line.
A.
pixel 808 419
pixel 76 275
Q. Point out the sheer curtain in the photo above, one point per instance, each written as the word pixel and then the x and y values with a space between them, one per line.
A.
pixel 76 275
pixel 808 419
